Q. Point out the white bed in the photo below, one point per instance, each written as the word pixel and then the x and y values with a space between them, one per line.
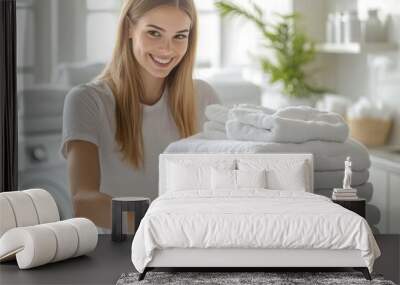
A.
pixel 288 226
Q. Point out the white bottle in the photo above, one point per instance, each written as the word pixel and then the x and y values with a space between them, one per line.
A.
pixel 352 27
pixel 339 28
pixel 373 28
pixel 330 28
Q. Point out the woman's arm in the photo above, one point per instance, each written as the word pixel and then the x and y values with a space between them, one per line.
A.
pixel 84 178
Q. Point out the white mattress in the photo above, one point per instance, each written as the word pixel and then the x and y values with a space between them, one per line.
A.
pixel 250 218
pixel 328 156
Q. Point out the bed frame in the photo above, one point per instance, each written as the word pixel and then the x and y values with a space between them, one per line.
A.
pixel 246 259
pixel 241 259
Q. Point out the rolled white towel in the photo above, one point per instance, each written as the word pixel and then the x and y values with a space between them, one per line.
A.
pixel 236 130
pixel 255 108
pixel 214 126
pixel 291 124
pixel 217 113
pixel 214 130
pixel 214 135
pixel 251 117
pixel 284 131
pixel 220 113
pixel 307 114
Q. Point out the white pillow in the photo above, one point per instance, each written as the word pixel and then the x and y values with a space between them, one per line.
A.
pixel 223 179
pixel 193 173
pixel 282 174
pixel 251 178
pixel 187 177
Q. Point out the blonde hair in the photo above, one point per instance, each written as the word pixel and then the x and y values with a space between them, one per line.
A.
pixel 122 75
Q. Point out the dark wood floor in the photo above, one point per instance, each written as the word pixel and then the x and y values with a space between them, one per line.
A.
pixel 110 260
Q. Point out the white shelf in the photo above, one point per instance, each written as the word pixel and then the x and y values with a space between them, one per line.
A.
pixel 355 48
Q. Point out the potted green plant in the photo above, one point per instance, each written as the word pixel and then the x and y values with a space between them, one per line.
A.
pixel 291 48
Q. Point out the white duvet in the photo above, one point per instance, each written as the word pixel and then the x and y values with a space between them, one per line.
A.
pixel 251 218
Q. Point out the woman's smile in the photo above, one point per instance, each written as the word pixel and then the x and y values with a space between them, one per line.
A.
pixel 162 62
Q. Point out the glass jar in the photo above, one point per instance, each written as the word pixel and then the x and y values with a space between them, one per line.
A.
pixel 373 28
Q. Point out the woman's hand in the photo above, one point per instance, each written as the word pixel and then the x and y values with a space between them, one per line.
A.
pixel 84 178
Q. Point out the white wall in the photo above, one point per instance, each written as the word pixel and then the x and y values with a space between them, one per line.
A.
pixel 240 38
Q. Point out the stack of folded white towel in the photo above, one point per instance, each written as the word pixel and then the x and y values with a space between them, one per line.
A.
pixel 344 194
pixel 295 124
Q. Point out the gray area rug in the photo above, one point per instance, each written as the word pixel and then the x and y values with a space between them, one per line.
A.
pixel 229 278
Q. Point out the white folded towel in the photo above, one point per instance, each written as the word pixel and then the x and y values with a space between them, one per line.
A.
pixel 214 135
pixel 214 130
pixel 214 126
pixel 217 113
pixel 295 124
pixel 255 118
pixel 220 113
pixel 254 108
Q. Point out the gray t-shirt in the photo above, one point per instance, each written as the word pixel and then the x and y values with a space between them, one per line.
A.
pixel 89 115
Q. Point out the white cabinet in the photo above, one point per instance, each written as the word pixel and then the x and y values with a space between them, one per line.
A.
pixel 383 210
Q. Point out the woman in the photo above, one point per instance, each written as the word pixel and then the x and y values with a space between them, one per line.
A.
pixel 115 127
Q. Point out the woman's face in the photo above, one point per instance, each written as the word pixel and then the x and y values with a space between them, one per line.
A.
pixel 160 39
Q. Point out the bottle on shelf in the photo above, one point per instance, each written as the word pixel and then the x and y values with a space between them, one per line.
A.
pixel 352 27
pixel 330 29
pixel 339 28
pixel 373 28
